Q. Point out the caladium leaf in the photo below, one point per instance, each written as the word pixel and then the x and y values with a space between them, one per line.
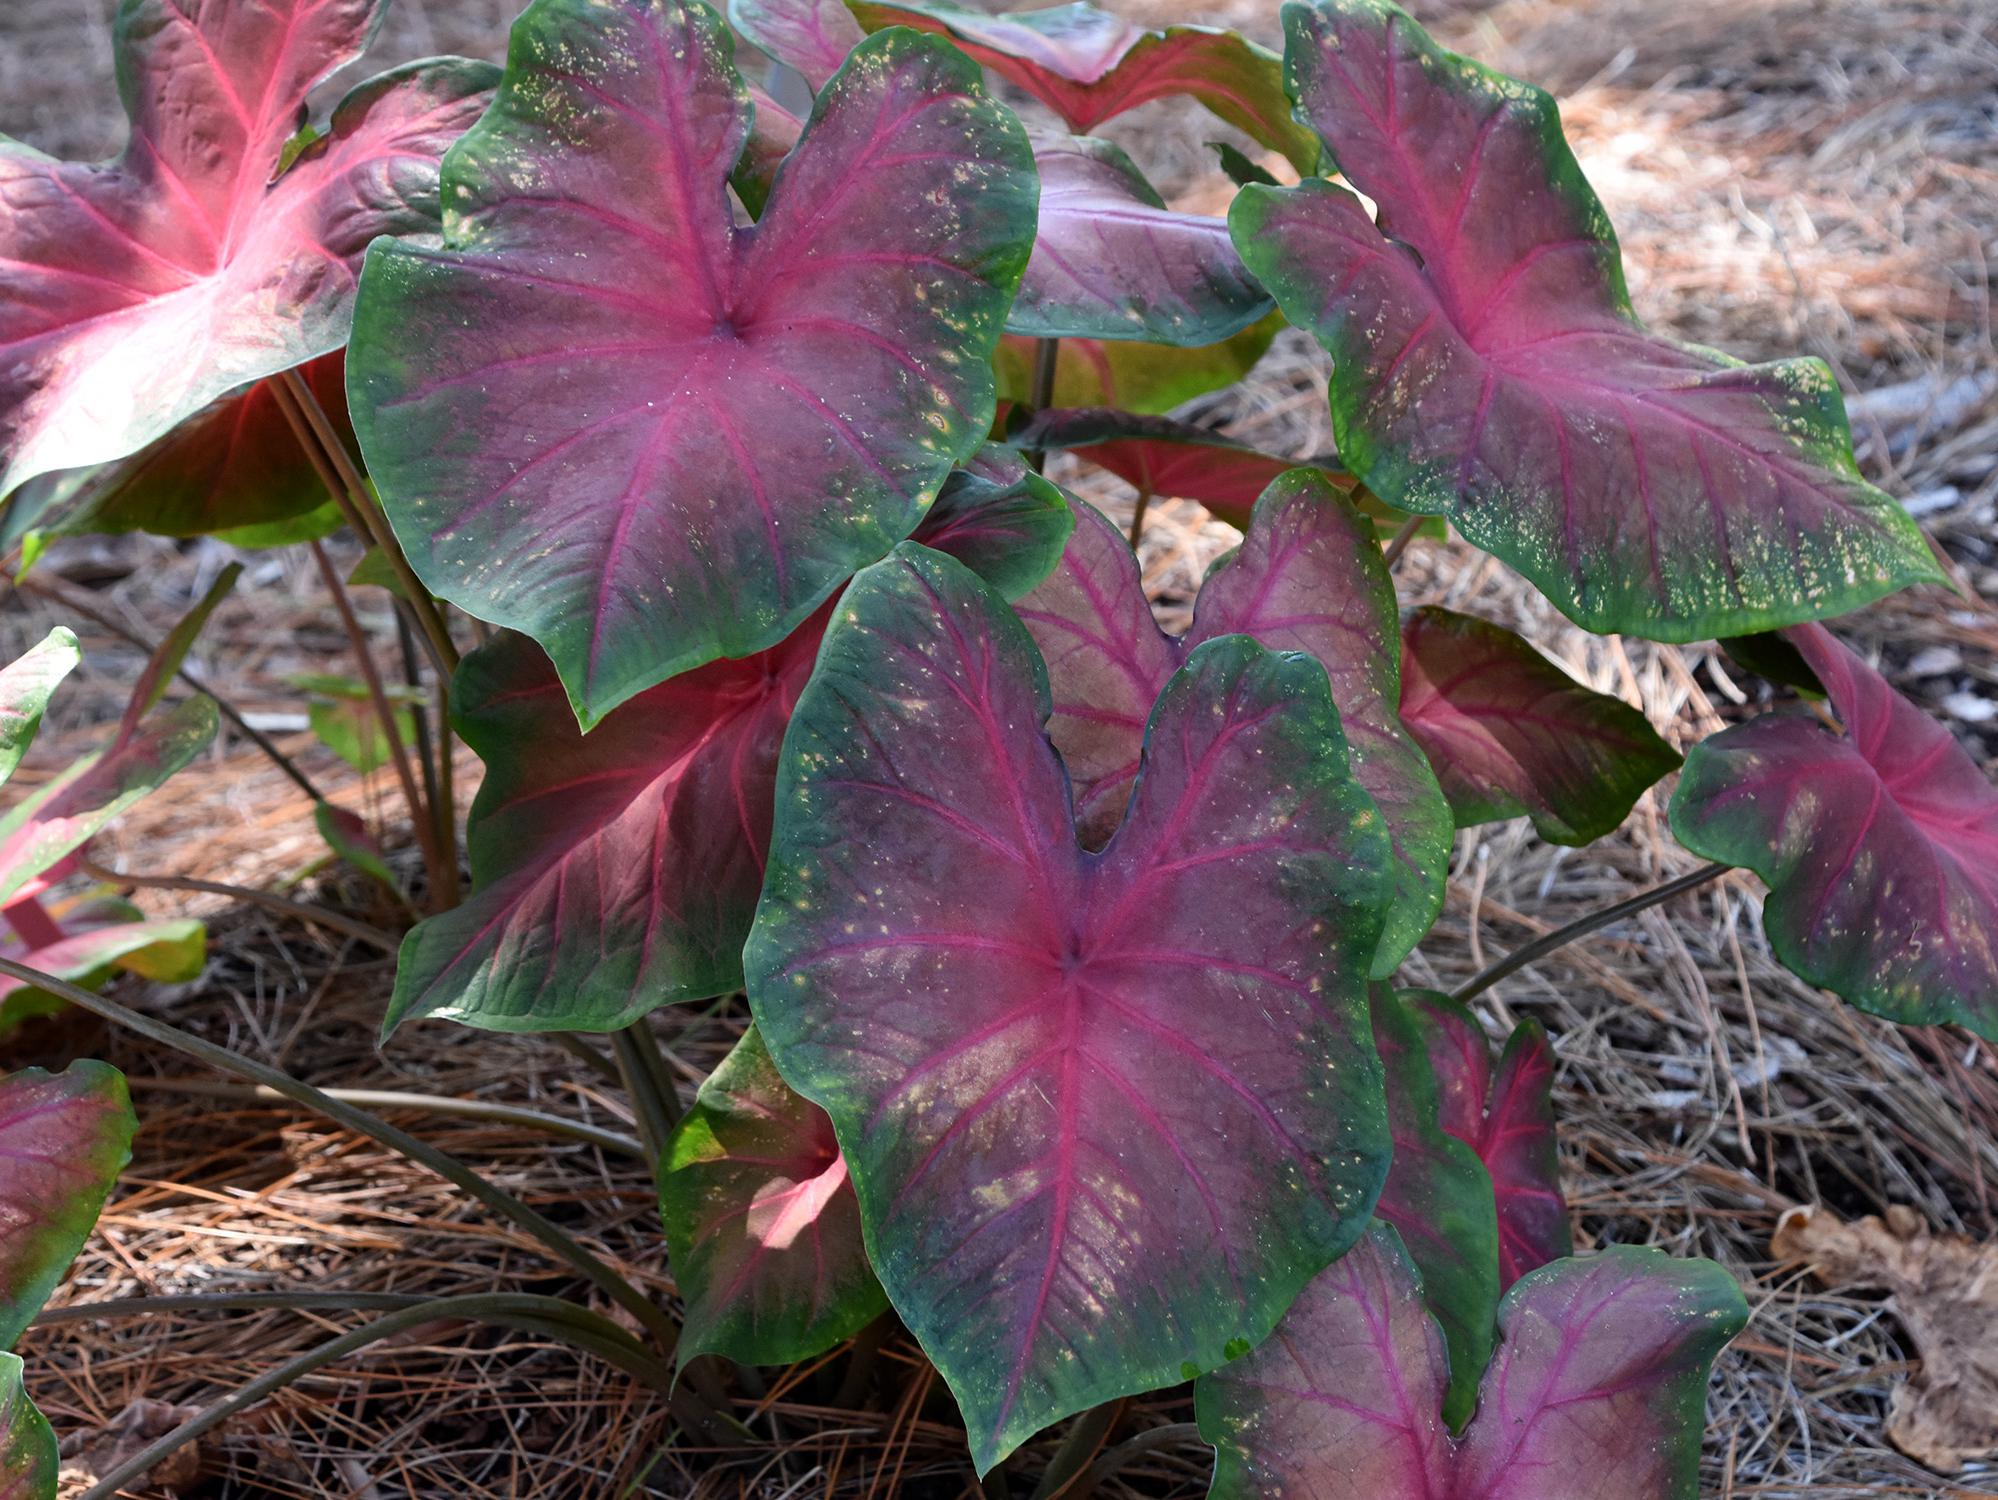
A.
pixel 100 933
pixel 1487 365
pixel 811 36
pixel 1510 734
pixel 1597 1388
pixel 342 713
pixel 1088 65
pixel 347 834
pixel 1308 577
pixel 1879 846
pixel 1111 261
pixel 26 684
pixel 609 417
pixel 1105 1113
pixel 761 1222
pixel 135 292
pixel 1506 1114
pixel 1134 377
pixel 234 469
pixel 618 871
pixel 28 1459
pixel 64 1138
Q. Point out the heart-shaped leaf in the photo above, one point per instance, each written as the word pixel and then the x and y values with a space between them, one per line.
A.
pixel 1308 577
pixel 1487 365
pixel 1510 734
pixel 135 292
pixel 1506 1114
pixel 26 684
pixel 811 36
pixel 1105 1113
pixel 100 933
pixel 28 1460
pixel 611 418
pixel 1088 65
pixel 1597 1388
pixel 64 1138
pixel 761 1221
pixel 1880 846
pixel 1133 377
pixel 347 834
pixel 234 470
pixel 618 871
pixel 1113 262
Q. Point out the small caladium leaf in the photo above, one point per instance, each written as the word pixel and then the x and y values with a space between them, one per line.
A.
pixel 1487 365
pixel 1134 377
pixel 1308 577
pixel 1510 734
pixel 101 934
pixel 1111 261
pixel 761 1222
pixel 1597 1389
pixel 1506 1114
pixel 1105 1113
pixel 26 684
pixel 1880 846
pixel 135 292
pixel 64 1138
pixel 28 1457
pixel 812 37
pixel 1088 65
pixel 347 834
pixel 235 470
pixel 618 871
pixel 1238 168
pixel 607 416
pixel 343 716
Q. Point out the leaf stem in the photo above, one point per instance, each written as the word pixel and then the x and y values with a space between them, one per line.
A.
pixel 652 1094
pixel 1138 514
pixel 1040 396
pixel 1065 1473
pixel 1398 543
pixel 501 1202
pixel 1130 1450
pixel 435 761
pixel 318 916
pixel 32 923
pixel 1560 937
pixel 548 1316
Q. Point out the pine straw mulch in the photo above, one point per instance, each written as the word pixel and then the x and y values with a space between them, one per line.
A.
pixel 1813 174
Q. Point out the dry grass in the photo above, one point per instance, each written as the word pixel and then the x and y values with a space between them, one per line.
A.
pixel 1813 174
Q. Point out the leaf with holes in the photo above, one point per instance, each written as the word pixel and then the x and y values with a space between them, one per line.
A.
pixel 1880 846
pixel 608 417
pixel 1088 65
pixel 28 1461
pixel 1308 577
pixel 618 871
pixel 812 37
pixel 1111 261
pixel 135 292
pixel 1596 1390
pixel 1510 734
pixel 1106 1112
pixel 64 1138
pixel 26 685
pixel 1487 365
pixel 1133 377
pixel 99 934
pixel 761 1221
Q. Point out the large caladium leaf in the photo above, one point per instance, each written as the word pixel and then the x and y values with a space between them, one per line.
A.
pixel 761 1221
pixel 1308 577
pixel 1134 377
pixel 1510 734
pixel 135 292
pixel 1597 1389
pixel 611 418
pixel 26 684
pixel 1088 65
pixel 1487 365
pixel 618 871
pixel 1880 846
pixel 96 934
pixel 1113 262
pixel 811 36
pixel 28 1459
pixel 64 1138
pixel 1105 1113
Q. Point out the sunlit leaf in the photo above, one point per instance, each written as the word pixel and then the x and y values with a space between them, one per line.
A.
pixel 135 292
pixel 611 418
pixel 26 684
pixel 28 1460
pixel 101 934
pixel 1880 845
pixel 1132 376
pixel 1105 1113
pixel 1512 735
pixel 1308 577
pixel 342 713
pixel 811 36
pixel 1487 365
pixel 761 1221
pixel 1597 1388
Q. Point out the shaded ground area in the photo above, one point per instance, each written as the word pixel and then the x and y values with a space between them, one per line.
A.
pixel 1816 175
